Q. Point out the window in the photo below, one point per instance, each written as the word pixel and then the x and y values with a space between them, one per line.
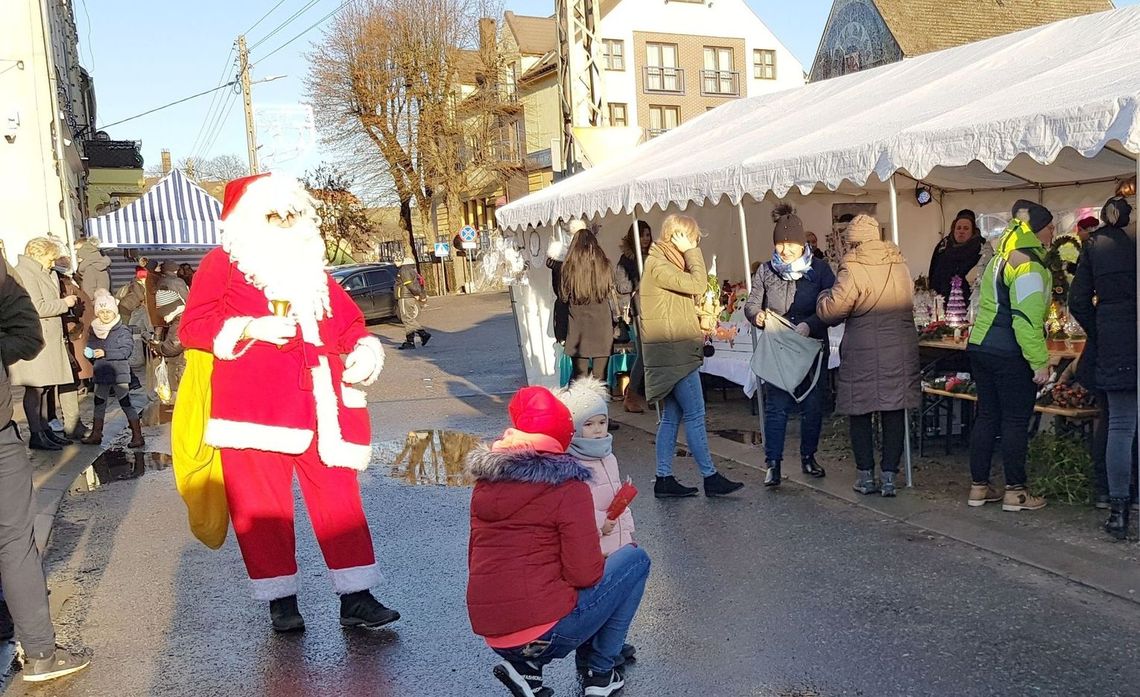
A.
pixel 661 71
pixel 718 77
pixel 764 64
pixel 618 114
pixel 613 54
pixel 354 283
pixel 663 118
pixel 381 279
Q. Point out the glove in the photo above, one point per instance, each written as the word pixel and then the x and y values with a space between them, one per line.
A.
pixel 362 365
pixel 271 329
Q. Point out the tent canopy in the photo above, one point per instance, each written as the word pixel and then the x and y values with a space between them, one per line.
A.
pixel 176 212
pixel 1056 104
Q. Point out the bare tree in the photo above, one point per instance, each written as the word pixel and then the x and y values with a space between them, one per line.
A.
pixel 385 81
pixel 345 226
pixel 222 168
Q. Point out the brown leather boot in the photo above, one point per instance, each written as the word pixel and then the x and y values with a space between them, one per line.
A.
pixel 96 435
pixel 634 403
pixel 136 434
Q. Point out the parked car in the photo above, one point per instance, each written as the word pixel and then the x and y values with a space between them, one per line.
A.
pixel 372 286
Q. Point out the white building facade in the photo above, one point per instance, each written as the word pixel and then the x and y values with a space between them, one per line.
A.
pixel 47 108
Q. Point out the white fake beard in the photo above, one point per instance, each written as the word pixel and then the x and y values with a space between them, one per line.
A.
pixel 285 263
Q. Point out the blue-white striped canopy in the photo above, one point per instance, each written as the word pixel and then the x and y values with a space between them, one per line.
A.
pixel 176 212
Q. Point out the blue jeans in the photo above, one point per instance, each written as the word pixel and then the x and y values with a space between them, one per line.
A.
pixel 778 405
pixel 1121 432
pixel 601 619
pixel 686 403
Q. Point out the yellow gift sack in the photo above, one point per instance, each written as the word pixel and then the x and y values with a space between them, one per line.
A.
pixel 198 466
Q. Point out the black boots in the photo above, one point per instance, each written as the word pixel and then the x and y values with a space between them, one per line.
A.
pixel 670 488
pixel 811 467
pixel 360 609
pixel 38 441
pixel 424 337
pixel 285 615
pixel 1120 513
pixel 719 485
pixel 409 342
pixel 772 476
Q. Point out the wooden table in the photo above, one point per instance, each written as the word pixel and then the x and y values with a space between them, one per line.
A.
pixel 1055 355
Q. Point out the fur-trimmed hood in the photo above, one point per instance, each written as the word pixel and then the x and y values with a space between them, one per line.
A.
pixel 507 481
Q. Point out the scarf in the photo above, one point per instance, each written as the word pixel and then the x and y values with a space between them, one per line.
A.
pixel 792 270
pixel 671 253
pixel 591 448
pixel 102 329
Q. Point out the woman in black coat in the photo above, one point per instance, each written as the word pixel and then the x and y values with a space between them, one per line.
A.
pixel 588 288
pixel 1107 272
pixel 956 255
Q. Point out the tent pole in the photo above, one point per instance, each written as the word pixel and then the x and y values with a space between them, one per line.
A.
pixel 748 286
pixel 1138 296
pixel 906 417
pixel 640 274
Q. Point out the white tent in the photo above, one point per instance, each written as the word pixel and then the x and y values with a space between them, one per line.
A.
pixel 1049 114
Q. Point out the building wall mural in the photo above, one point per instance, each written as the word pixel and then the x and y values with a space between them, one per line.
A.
pixel 855 38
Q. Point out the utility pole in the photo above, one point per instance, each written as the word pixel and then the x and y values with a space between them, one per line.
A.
pixel 247 99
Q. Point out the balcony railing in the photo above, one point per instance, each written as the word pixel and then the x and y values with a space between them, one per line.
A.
pixel 665 80
pixel 720 83
pixel 654 132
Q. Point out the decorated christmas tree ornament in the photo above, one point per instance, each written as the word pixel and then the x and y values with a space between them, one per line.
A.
pixel 956 310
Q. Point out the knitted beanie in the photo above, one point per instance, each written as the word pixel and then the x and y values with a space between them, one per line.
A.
pixel 1035 214
pixel 863 228
pixel 537 410
pixel 789 228
pixel 167 301
pixel 105 301
pixel 585 398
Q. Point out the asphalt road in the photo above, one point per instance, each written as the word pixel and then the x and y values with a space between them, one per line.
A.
pixel 775 593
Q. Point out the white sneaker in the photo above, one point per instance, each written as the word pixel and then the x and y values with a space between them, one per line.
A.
pixel 55 425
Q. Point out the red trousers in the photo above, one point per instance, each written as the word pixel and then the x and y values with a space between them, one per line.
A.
pixel 259 490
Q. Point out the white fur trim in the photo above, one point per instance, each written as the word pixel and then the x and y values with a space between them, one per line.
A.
pixel 310 330
pixel 274 588
pixel 357 578
pixel 372 344
pixel 334 451
pixel 353 398
pixel 585 397
pixel 225 343
pixel 223 433
pixel 556 250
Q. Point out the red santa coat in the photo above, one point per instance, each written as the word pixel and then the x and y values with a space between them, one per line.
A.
pixel 278 399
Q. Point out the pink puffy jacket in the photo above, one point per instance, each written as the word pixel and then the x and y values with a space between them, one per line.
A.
pixel 604 484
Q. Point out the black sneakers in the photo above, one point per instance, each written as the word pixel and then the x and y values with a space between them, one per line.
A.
pixel 582 658
pixel 360 609
pixel 718 485
pixel 54 665
pixel 523 679
pixel 424 337
pixel 285 615
pixel 603 684
pixel 670 488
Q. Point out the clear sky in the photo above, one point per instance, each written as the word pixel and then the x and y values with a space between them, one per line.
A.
pixel 146 54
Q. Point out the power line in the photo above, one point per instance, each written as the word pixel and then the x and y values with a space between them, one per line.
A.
pixel 166 106
pixel 279 4
pixel 216 124
pixel 198 140
pixel 305 8
pixel 312 26
pixel 210 148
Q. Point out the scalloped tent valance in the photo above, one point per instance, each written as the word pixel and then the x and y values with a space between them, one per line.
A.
pixel 1051 105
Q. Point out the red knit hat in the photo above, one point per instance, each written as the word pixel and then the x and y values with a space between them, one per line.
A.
pixel 234 191
pixel 537 410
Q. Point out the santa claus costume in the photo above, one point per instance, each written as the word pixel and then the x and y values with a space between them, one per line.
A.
pixel 283 399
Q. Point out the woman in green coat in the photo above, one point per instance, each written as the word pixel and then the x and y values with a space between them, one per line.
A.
pixel 673 343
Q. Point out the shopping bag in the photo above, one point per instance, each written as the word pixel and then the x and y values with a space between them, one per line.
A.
pixel 783 358
pixel 198 466
pixel 162 382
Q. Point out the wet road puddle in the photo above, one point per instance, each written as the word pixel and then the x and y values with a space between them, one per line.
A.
pixel 119 465
pixel 429 457
pixel 747 437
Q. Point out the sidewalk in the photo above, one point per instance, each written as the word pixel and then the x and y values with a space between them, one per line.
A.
pixel 1063 540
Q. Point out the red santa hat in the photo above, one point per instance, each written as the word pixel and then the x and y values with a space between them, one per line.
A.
pixel 235 190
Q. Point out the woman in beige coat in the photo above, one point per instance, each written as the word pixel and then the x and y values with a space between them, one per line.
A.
pixel 51 366
pixel 879 372
pixel 672 342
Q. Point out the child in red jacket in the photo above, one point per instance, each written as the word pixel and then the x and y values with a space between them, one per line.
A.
pixel 538 586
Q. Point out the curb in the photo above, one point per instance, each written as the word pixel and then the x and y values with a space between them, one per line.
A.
pixel 1074 563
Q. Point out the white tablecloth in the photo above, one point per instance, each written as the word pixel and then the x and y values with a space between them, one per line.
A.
pixel 735 363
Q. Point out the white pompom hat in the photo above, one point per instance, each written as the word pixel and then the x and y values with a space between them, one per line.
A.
pixel 585 398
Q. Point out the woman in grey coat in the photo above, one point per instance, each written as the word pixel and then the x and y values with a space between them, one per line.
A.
pixel 51 366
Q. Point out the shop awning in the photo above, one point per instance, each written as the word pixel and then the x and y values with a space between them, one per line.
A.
pixel 176 212
pixel 1051 105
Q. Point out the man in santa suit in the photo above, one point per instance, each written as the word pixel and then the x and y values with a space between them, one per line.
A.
pixel 283 398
